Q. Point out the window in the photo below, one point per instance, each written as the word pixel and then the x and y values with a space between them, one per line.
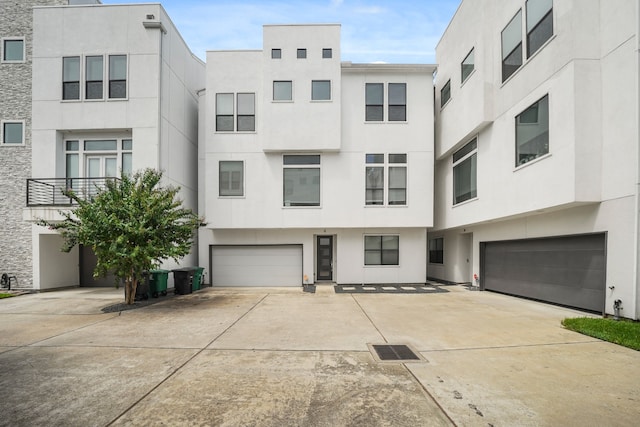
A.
pixel 12 50
pixel 376 169
pixel 436 251
pixel 94 76
pixel 467 66
pixel 13 133
pixel 327 53
pixel 276 53
pixel 302 53
pixel 512 46
pixel 246 112
pixel 301 180
pixel 231 178
pixel 282 91
pixel 445 93
pixel 397 102
pixel 374 94
pixel 532 132
pixel 224 112
pixel 117 76
pixel 381 250
pixel 464 172
pixel 127 157
pixel 71 77
pixel 321 90
pixel 97 158
pixel 539 24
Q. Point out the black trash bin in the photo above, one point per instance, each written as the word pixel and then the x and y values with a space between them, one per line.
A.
pixel 183 279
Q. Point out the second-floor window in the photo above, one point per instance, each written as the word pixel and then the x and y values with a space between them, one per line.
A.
pixel 13 50
pixel 321 90
pixel 301 180
pixel 375 102
pixel 532 132
pixel 231 116
pixel 283 90
pixel 445 93
pixel 12 133
pixel 379 166
pixel 231 178
pixel 464 172
pixel 467 66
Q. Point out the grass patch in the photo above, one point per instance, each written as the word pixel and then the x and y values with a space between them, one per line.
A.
pixel 3 295
pixel 621 332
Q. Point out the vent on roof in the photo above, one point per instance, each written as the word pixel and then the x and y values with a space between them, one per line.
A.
pixel 395 353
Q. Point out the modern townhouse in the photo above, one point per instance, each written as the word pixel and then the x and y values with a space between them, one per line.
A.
pixel 537 152
pixel 114 91
pixel 312 169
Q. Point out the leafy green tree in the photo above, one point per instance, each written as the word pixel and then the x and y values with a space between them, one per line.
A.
pixel 133 224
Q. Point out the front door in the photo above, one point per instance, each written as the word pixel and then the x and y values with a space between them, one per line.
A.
pixel 324 262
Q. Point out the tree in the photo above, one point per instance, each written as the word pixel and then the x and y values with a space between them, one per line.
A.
pixel 133 224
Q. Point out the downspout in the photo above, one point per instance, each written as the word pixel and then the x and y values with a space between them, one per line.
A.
pixel 636 266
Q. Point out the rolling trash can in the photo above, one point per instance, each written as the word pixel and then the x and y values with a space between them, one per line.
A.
pixel 183 280
pixel 197 278
pixel 158 282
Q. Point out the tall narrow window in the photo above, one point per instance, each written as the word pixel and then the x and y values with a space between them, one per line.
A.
pixel 512 46
pixel 445 93
pixel 246 112
pixel 397 179
pixel 94 76
pixel 127 157
pixel 467 66
pixel 397 102
pixel 301 180
pixel 436 251
pixel 282 90
pixel 374 95
pixel 321 90
pixel 539 24
pixel 13 133
pixel 381 250
pixel 224 112
pixel 13 50
pixel 71 77
pixel 532 132
pixel 231 178
pixel 374 179
pixel 464 172
pixel 117 76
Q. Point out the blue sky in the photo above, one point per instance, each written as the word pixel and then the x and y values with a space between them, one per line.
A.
pixel 398 31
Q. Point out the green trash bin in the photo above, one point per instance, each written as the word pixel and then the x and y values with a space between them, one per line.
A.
pixel 158 282
pixel 197 278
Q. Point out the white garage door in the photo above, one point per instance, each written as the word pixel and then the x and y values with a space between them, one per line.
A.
pixel 260 265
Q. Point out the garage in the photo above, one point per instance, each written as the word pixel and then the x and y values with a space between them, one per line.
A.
pixel 568 270
pixel 256 265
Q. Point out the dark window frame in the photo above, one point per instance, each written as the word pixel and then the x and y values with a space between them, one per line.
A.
pixel 436 250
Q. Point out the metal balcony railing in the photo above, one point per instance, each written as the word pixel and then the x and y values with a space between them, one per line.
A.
pixel 49 191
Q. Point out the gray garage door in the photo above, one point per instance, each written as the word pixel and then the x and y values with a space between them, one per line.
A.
pixel 562 270
pixel 258 265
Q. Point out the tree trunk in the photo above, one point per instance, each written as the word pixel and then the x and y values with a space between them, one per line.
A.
pixel 130 290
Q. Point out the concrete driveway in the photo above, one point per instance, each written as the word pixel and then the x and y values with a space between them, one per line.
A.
pixel 282 357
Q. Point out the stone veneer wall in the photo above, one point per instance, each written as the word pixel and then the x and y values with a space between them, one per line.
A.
pixel 16 20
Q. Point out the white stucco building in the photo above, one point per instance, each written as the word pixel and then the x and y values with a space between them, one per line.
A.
pixel 537 151
pixel 113 93
pixel 312 167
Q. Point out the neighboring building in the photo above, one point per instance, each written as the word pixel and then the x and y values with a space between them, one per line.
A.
pixel 314 168
pixel 537 151
pixel 113 92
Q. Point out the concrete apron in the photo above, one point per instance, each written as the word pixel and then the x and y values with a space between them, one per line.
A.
pixel 280 356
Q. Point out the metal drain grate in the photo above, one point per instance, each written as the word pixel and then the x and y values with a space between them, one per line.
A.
pixel 390 352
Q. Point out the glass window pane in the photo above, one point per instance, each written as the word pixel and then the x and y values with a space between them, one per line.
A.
pixel 127 144
pixel 224 123
pixel 397 186
pixel 374 94
pixel 512 35
pixel 72 166
pixel 511 63
pixel 94 90
pixel 374 186
pixel 224 104
pixel 445 93
pixel 372 243
pixel 13 50
pixel 321 90
pixel 127 164
pixel 110 166
pixel 372 258
pixel 301 159
pixel 397 158
pixel 276 53
pixel 12 133
pixel 536 10
pixel 397 93
pixel 374 113
pixel 301 187
pixel 282 91
pixel 464 180
pixel 72 145
pixel 246 104
pixel 327 53
pixel 94 68
pixel 532 139
pixel 117 67
pixel 375 158
pixel 71 90
pixel 302 53
pixel 465 150
pixel 468 65
pixel 101 145
pixel 397 113
pixel 246 123
pixel 390 257
pixel 540 34
pixel 118 89
pixel 71 69
pixel 231 175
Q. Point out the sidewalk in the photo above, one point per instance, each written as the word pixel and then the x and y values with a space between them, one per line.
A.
pixel 280 357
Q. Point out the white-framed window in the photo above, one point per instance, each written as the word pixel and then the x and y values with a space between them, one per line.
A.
pixel 539 24
pixel 231 178
pixel 13 49
pixel 71 78
pixel 445 93
pixel 382 250
pixel 12 132
pixel 532 132
pixel 117 76
pixel 375 102
pixel 465 172
pixel 467 66
pixel 321 90
pixel 327 53
pixel 282 90
pixel 436 251
pixel 98 157
pixel 94 77
pixel 301 180
pixel 241 114
pixel 393 166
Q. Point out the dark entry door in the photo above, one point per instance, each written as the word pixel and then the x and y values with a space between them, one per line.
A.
pixel 324 261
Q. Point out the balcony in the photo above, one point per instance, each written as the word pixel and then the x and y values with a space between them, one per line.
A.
pixel 44 192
